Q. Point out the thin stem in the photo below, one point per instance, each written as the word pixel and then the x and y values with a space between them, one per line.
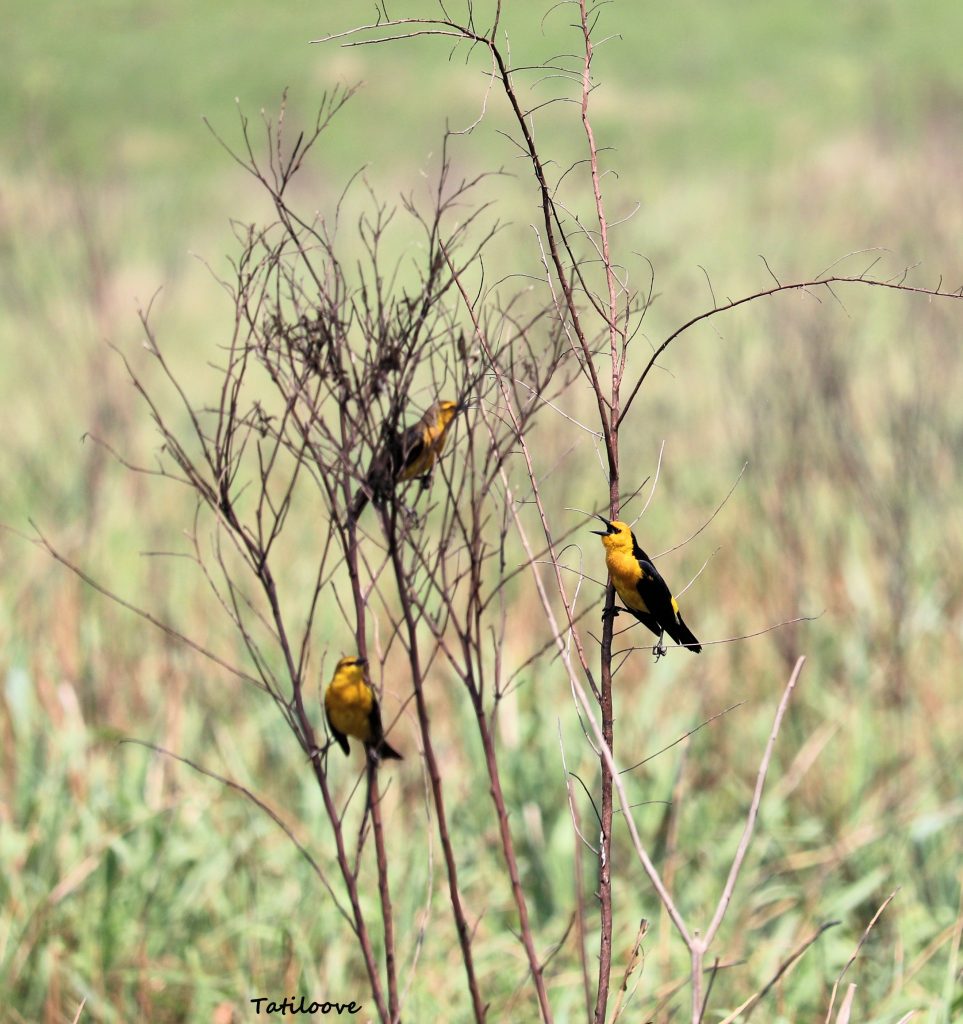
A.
pixel 387 917
pixel 698 946
pixel 750 825
pixel 389 521
pixel 508 849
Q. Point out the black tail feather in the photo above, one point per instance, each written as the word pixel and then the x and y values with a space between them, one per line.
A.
pixel 384 751
pixel 358 505
pixel 681 634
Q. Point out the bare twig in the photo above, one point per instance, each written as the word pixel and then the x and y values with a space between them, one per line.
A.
pixel 699 946
pixel 849 963
pixel 754 1000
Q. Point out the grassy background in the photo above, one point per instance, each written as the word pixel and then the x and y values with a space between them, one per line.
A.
pixel 798 131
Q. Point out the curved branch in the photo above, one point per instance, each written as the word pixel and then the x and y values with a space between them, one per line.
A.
pixel 824 282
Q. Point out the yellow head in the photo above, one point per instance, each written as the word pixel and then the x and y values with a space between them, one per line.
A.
pixel 349 670
pixel 617 536
pixel 444 413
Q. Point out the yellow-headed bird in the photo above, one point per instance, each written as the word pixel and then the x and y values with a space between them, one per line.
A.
pixel 352 709
pixel 407 455
pixel 640 585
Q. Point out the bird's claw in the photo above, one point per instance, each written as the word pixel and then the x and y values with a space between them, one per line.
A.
pixel 610 613
pixel 320 754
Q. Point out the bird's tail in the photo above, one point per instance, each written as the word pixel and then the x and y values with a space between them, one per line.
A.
pixel 681 634
pixel 357 506
pixel 385 751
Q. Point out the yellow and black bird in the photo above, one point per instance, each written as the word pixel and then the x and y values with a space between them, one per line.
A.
pixel 407 455
pixel 352 709
pixel 640 585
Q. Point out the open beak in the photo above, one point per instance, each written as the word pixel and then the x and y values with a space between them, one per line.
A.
pixel 606 531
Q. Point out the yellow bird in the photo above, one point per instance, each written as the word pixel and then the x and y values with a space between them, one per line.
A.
pixel 351 708
pixel 410 454
pixel 640 585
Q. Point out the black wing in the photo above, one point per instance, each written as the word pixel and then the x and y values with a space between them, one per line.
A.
pixel 407 449
pixel 387 467
pixel 655 592
pixel 378 744
pixel 340 737
pixel 377 731
pixel 649 621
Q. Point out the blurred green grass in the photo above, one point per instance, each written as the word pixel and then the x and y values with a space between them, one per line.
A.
pixel 801 132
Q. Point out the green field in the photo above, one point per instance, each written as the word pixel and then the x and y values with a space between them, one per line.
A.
pixel 800 132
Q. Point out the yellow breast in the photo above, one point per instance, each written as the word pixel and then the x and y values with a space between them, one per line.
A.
pixel 348 706
pixel 626 573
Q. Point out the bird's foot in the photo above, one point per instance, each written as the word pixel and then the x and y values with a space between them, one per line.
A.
pixel 610 613
pixel 320 753
pixel 425 482
pixel 659 651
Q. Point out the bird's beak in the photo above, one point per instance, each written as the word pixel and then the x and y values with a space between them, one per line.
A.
pixel 606 531
pixel 361 661
pixel 461 405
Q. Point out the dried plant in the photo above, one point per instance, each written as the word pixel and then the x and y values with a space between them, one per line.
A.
pixel 328 361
